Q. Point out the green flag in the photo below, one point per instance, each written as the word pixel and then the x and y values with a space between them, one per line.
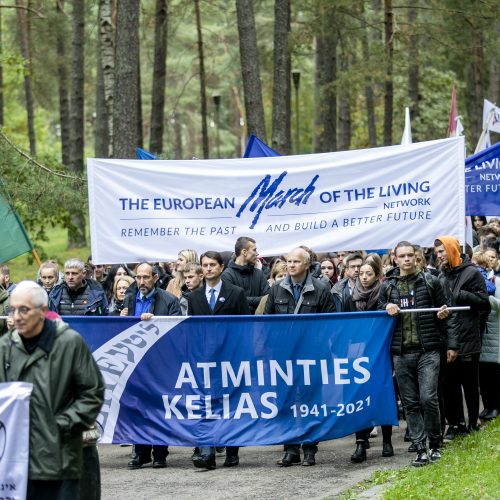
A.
pixel 14 240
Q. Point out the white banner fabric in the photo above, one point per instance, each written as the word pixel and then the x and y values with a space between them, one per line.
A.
pixel 494 123
pixel 14 439
pixel 364 199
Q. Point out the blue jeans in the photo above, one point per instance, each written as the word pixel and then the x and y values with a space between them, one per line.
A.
pixel 417 374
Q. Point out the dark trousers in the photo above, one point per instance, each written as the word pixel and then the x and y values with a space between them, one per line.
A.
pixel 294 449
pixel 144 451
pixel 489 382
pixel 209 451
pixel 462 373
pixel 417 374
pixel 54 490
pixel 365 434
pixel 90 482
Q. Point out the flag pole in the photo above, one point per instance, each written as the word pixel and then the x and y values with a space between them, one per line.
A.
pixel 486 127
pixel 36 257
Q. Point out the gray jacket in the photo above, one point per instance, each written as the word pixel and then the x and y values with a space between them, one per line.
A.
pixel 490 351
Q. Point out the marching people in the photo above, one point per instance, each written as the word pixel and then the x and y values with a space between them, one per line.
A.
pixel 243 272
pixel 193 279
pixel 4 303
pixel 77 296
pixel 342 290
pixel 416 345
pixel 7 283
pixel 176 285
pixel 149 301
pixel 120 287
pixel 48 275
pixel 299 293
pixel 216 297
pixel 463 286
pixel 68 391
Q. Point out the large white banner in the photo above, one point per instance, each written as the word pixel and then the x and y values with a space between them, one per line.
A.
pixel 14 439
pixel 349 200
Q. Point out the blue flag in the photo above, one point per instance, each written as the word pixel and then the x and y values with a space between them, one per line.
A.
pixel 242 380
pixel 258 149
pixel 482 182
pixel 142 154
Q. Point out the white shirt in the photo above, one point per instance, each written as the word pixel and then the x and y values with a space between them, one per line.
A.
pixel 217 288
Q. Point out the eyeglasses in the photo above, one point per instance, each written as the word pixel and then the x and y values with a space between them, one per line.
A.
pixel 22 311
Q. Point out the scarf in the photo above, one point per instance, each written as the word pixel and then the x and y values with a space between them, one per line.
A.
pixel 365 298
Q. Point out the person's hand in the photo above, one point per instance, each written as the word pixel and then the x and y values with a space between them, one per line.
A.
pixel 451 355
pixel 124 311
pixel 146 316
pixel 392 309
pixel 443 312
pixel 10 322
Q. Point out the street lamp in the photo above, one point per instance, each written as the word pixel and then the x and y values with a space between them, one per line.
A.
pixel 296 84
pixel 216 98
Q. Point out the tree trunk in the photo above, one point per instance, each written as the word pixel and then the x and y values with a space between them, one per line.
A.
pixel 250 72
pixel 107 57
pixel 388 92
pixel 159 77
pixel 25 52
pixel 281 133
pixel 76 233
pixel 62 72
pixel 344 104
pixel 101 143
pixel 326 75
pixel 203 85
pixel 125 105
pixel 413 66
pixel 140 125
pixel 369 95
pixel 1 73
pixel 177 153
pixel 476 83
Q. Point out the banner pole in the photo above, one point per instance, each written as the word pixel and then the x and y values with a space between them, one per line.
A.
pixel 435 309
pixel 36 257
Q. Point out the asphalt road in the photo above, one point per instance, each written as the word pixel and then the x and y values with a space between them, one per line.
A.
pixel 257 476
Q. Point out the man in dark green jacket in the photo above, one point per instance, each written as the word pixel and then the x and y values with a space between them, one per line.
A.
pixel 68 391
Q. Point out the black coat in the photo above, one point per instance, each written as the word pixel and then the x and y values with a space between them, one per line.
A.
pixel 464 286
pixel 434 334
pixel 315 298
pixel 164 304
pixel 249 278
pixel 231 301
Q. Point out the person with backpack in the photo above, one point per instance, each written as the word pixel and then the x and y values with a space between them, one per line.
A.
pixel 416 346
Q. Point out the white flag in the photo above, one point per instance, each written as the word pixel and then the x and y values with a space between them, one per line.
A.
pixel 406 139
pixel 492 122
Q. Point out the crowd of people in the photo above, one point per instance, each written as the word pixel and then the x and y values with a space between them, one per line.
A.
pixel 439 358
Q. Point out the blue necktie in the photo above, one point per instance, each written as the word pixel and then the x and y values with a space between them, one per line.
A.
pixel 296 291
pixel 212 299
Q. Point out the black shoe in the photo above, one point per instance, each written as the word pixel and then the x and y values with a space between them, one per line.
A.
pixel 387 449
pixel 288 460
pixel 309 459
pixel 454 431
pixel 422 458
pixel 359 454
pixel 407 437
pixel 159 464
pixel 483 413
pixel 473 428
pixel 367 444
pixel 231 461
pixel 220 449
pixel 434 455
pixel 137 462
pixel 491 414
pixel 205 462
pixel 196 454
pixel 412 448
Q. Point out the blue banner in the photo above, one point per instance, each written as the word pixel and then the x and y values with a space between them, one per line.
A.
pixel 142 154
pixel 482 182
pixel 242 380
pixel 258 149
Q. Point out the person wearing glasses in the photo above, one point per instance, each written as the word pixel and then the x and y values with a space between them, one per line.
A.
pixel 342 291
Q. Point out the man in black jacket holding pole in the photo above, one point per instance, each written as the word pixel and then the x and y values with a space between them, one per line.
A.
pixel 416 346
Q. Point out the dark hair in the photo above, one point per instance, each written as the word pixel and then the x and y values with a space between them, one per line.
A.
pixel 402 244
pixel 110 278
pixel 480 217
pixel 488 229
pixel 352 256
pixel 376 266
pixel 241 244
pixel 212 255
pixel 312 253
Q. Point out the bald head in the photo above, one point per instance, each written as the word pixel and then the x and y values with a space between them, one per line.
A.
pixel 28 304
pixel 297 263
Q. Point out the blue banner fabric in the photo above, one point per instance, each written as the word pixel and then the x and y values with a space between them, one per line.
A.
pixel 482 182
pixel 242 380
pixel 142 154
pixel 258 149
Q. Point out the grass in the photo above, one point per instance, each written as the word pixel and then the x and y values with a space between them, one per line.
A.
pixel 469 469
pixel 24 266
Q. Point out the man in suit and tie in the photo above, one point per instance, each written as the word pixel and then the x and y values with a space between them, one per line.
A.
pixel 218 298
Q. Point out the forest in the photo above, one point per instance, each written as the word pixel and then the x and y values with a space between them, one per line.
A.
pixel 194 78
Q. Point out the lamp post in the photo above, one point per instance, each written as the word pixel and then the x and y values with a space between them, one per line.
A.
pixel 296 84
pixel 216 98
